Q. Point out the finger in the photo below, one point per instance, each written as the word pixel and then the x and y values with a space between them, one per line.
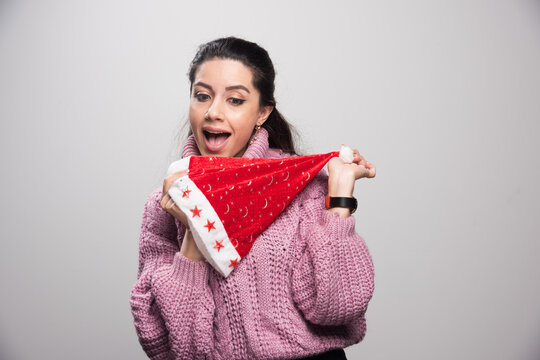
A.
pixel 166 185
pixel 366 170
pixel 169 180
pixel 164 200
pixel 363 162
pixel 171 204
pixel 178 174
pixel 372 171
pixel 359 159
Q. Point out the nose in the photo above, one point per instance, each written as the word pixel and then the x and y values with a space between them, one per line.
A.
pixel 214 111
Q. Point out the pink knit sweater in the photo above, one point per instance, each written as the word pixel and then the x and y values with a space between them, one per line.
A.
pixel 303 288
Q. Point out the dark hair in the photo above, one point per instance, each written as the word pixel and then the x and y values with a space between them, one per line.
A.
pixel 257 59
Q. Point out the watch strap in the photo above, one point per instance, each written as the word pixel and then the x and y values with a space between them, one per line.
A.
pixel 346 202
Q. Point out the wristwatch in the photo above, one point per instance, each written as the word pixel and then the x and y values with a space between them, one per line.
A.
pixel 346 202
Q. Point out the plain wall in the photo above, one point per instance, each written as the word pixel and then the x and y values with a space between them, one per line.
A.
pixel 442 96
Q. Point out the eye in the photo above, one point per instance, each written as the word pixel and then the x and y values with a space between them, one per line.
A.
pixel 236 101
pixel 201 96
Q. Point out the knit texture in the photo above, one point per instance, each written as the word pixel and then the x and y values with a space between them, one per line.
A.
pixel 303 288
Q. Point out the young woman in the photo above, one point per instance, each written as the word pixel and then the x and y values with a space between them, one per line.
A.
pixel 303 289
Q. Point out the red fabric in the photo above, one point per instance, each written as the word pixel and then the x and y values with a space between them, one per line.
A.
pixel 249 194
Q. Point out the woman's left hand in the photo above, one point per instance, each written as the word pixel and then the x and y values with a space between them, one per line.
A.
pixel 342 176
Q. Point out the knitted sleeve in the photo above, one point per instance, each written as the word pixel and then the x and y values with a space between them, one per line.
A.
pixel 332 280
pixel 171 301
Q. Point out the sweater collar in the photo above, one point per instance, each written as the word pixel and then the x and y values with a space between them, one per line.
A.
pixel 256 150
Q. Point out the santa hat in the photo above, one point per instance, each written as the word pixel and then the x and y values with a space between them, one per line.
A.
pixel 230 201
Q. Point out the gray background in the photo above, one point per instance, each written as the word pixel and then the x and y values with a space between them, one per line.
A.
pixel 443 96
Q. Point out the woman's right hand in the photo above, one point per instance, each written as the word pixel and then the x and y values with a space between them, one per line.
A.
pixel 189 249
pixel 167 203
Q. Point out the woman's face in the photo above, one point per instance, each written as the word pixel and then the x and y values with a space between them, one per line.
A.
pixel 224 107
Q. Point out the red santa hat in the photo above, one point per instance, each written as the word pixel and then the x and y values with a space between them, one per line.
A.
pixel 230 201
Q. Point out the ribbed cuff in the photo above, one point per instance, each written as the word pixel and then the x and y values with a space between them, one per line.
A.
pixel 333 227
pixel 190 272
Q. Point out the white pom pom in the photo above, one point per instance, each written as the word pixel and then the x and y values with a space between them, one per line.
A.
pixel 346 154
pixel 178 165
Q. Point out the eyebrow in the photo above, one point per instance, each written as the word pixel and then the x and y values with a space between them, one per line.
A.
pixel 242 87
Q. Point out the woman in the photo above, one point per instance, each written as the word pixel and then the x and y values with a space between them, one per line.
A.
pixel 303 289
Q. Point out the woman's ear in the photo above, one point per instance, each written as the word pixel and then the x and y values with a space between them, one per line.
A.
pixel 264 113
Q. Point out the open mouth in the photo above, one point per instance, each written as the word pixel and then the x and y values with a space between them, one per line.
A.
pixel 215 138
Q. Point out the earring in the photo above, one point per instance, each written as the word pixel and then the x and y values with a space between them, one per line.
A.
pixel 254 137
